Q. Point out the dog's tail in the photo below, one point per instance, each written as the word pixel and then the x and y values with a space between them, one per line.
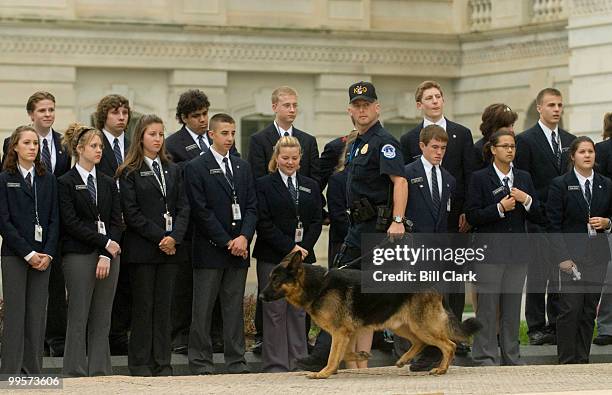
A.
pixel 462 330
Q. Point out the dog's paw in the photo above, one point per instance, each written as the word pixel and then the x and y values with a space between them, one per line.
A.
pixel 319 375
pixel 437 371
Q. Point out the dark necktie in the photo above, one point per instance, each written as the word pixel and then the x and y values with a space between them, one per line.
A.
pixel 202 144
pixel 286 134
pixel 292 190
pixel 28 179
pixel 507 185
pixel 117 151
pixel 435 191
pixel 555 146
pixel 157 171
pixel 228 172
pixel 91 187
pixel 587 191
pixel 46 156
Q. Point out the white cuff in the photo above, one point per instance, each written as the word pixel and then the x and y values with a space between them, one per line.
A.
pixel 29 256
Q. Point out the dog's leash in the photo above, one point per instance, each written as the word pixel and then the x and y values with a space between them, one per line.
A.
pixel 386 240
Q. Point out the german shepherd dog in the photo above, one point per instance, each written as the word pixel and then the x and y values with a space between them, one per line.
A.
pixel 334 301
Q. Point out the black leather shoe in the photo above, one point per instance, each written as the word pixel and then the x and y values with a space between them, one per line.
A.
pixel 180 349
pixel 429 358
pixel 218 346
pixel 462 349
pixel 539 338
pixel 602 340
pixel 257 347
pixel 312 363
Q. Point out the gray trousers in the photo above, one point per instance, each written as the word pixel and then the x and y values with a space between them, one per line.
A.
pixel 604 316
pixel 90 302
pixel 208 284
pixel 25 314
pixel 500 288
pixel 284 339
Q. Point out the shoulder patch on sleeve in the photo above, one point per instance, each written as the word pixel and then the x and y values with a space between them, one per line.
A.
pixel 388 151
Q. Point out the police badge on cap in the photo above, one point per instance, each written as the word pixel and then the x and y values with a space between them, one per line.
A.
pixel 362 91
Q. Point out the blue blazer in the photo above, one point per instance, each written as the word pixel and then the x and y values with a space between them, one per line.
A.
pixel 337 205
pixel 484 193
pixel 210 198
pixel 567 212
pixel 18 216
pixel 420 206
pixel 278 220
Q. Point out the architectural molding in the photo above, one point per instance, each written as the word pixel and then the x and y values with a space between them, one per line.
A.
pixel 517 50
pixel 589 7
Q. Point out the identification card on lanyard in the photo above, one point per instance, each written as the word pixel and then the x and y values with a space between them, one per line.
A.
pixel 168 220
pixel 299 232
pixel 592 231
pixel 236 215
pixel 38 233
pixel 101 226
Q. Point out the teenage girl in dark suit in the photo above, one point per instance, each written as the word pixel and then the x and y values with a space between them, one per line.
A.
pixel 289 220
pixel 156 213
pixel 579 208
pixel 29 226
pixel 91 229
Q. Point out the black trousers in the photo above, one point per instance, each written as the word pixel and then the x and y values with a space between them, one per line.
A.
pixel 150 345
pixel 57 306
pixel 542 276
pixel 122 309
pixel 578 307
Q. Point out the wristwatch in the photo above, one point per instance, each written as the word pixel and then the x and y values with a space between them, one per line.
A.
pixel 398 218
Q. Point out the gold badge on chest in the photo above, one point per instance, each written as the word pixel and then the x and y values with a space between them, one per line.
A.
pixel 364 149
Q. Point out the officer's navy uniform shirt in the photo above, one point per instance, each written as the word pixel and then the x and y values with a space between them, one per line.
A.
pixel 374 157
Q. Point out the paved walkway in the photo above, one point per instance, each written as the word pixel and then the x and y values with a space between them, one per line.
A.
pixel 575 379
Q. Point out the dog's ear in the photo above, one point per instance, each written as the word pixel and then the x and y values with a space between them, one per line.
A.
pixel 294 262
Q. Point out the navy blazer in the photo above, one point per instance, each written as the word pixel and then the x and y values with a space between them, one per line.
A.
pixel 210 198
pixel 18 215
pixel 567 212
pixel 337 205
pixel 479 161
pixel 603 156
pixel 458 159
pixel 182 148
pixel 144 206
pixel 420 206
pixel 62 158
pixel 278 217
pixel 534 155
pixel 484 193
pixel 262 144
pixel 108 163
pixel 329 159
pixel 79 214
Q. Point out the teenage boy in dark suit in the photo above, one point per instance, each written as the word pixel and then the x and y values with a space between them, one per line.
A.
pixel 223 201
pixel 542 151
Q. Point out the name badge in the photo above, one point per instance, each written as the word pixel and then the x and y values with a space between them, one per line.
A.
pixel 191 147
pixel 13 185
pixel 307 190
pixel 38 233
pixel 573 187
pixel 591 230
pixel 448 205
pixel 101 227
pixel 168 221
pixel 236 215
pixel 416 180
pixel 80 187
pixel 299 233
pixel 216 171
pixel 498 190
pixel 146 173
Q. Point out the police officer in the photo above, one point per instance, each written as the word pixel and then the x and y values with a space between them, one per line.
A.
pixel 375 178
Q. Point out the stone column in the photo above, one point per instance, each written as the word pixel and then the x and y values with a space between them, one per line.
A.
pixel 590 69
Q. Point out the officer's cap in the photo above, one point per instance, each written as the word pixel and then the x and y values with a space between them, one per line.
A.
pixel 362 91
